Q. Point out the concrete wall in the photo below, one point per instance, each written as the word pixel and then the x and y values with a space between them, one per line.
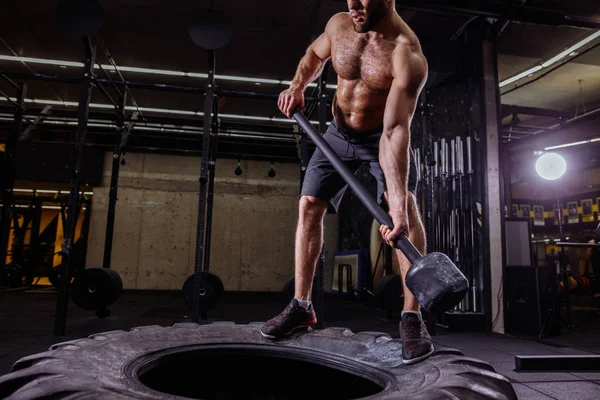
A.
pixel 154 243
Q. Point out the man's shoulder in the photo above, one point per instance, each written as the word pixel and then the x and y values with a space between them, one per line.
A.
pixel 409 60
pixel 341 17
pixel 338 21
pixel 408 49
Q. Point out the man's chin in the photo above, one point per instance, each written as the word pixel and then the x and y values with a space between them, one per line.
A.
pixel 360 28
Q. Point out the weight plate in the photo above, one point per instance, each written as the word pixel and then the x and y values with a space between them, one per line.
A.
pixel 211 290
pixel 389 293
pixel 11 276
pixel 96 288
pixel 55 275
pixel 79 17
pixel 212 30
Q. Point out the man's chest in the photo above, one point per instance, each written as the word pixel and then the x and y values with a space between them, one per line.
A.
pixel 359 59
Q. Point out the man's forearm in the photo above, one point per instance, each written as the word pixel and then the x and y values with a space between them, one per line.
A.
pixel 309 69
pixel 394 158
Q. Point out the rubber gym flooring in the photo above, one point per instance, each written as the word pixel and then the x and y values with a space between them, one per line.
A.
pixel 27 320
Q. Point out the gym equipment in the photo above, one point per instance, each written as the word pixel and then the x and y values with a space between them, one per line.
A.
pixel 209 292
pixel 344 285
pixel 470 228
pixel 11 276
pixel 350 272
pixel 117 158
pixel 553 313
pixel 448 196
pixel 389 293
pixel 85 94
pixel 79 17
pixel 558 363
pixel 435 281
pixel 205 197
pixel 55 275
pixel 96 288
pixel 529 292
pixel 7 166
pixel 572 285
pixel 235 362
pixel 584 282
pixel 211 30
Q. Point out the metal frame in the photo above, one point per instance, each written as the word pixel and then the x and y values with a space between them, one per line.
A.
pixel 211 184
pixel 209 98
pixel 114 184
pixel 152 137
pixel 153 86
pixel 10 152
pixel 503 11
pixel 125 130
pixel 33 251
pixel 85 94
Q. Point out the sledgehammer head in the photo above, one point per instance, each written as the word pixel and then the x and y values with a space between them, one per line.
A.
pixel 437 283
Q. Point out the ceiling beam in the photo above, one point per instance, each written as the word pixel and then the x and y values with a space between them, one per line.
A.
pixel 576 129
pixel 506 11
pixel 510 109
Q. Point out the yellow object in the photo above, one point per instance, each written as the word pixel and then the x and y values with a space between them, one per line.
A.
pixel 42 281
pixel 572 283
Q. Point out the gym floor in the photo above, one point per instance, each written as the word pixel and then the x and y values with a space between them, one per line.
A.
pixel 27 318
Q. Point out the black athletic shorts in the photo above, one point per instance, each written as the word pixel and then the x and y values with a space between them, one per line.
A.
pixel 355 149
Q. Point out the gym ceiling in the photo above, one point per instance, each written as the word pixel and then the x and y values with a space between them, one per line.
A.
pixel 268 39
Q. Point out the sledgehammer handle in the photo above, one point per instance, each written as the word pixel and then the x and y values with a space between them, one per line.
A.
pixel 404 244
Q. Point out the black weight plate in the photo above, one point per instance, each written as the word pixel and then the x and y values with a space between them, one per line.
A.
pixel 7 166
pixel 389 293
pixel 211 30
pixel 79 17
pixel 96 288
pixel 210 291
pixel 12 276
pixel 55 275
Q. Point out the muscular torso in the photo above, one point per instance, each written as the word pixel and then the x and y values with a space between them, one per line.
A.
pixel 363 64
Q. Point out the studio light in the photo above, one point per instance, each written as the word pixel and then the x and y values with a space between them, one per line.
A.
pixel 551 166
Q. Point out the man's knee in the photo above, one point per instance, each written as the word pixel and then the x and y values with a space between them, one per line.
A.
pixel 312 209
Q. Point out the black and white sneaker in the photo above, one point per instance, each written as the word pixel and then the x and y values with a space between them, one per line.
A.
pixel 293 317
pixel 416 342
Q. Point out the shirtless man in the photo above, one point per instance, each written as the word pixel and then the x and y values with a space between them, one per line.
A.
pixel 381 72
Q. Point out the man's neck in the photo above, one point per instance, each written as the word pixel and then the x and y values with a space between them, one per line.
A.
pixel 388 26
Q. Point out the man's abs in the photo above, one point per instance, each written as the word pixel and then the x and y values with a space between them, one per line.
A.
pixel 358 107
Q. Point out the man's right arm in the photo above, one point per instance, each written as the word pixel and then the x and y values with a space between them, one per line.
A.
pixel 309 68
pixel 311 65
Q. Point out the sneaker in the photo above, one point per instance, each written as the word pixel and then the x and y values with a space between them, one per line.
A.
pixel 416 342
pixel 293 317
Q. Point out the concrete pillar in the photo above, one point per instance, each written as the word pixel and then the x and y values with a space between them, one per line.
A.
pixel 493 211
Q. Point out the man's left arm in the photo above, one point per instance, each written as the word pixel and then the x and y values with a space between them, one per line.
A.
pixel 409 76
